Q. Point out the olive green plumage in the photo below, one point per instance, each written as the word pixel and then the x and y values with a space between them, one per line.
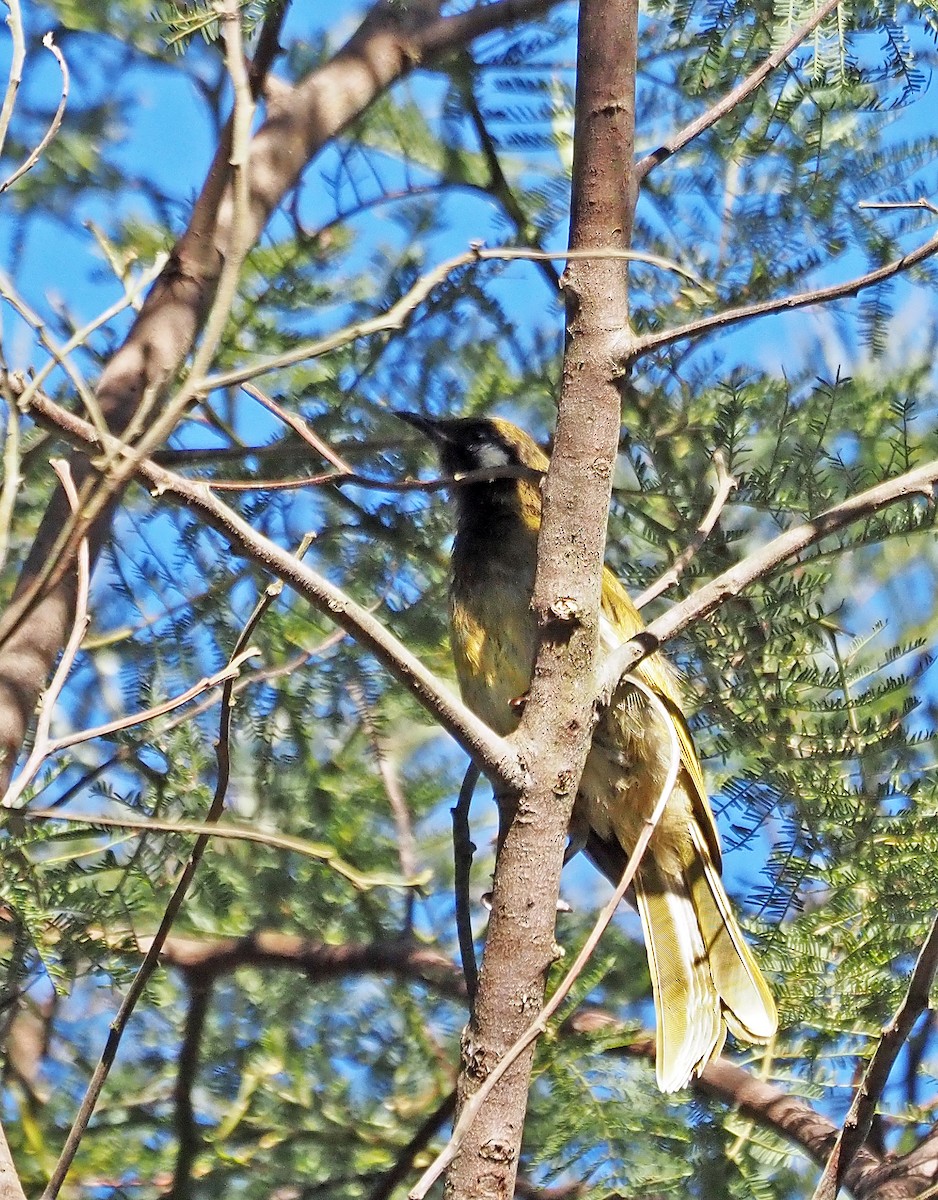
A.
pixel 704 976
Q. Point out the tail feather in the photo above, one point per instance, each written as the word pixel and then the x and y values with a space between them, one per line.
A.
pixel 704 977
pixel 690 1025
pixel 749 1009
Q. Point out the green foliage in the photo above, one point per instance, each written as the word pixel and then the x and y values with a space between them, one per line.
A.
pixel 810 696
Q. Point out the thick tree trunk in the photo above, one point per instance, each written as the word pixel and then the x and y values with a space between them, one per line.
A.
pixel 554 735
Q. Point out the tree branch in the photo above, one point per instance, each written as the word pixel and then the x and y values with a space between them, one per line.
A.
pixel 650 342
pixel 732 99
pixel 494 754
pixel 299 123
pixel 859 1119
pixel 151 958
pixel 759 565
pixel 725 484
pixel 554 733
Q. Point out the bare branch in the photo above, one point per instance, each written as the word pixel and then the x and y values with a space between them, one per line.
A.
pixel 235 832
pixel 463 850
pixel 921 202
pixel 54 125
pixel 188 1138
pixel 207 684
pixel 857 1123
pixel 553 736
pixel 406 842
pixel 650 342
pixel 17 59
pixel 494 754
pixel 299 427
pixel 210 958
pixel 760 564
pixel 12 479
pixel 397 315
pixel 725 484
pixel 42 744
pixel 356 479
pixel 733 99
pixel 151 959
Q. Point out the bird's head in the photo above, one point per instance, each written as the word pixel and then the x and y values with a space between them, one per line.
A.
pixel 478 443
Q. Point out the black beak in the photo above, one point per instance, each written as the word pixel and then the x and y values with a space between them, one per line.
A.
pixel 427 426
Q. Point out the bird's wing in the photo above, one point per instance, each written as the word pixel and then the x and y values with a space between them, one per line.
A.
pixel 620 620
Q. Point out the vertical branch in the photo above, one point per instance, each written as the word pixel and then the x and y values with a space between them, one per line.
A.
pixel 463 850
pixel 406 843
pixel 188 1139
pixel 17 59
pixel 554 735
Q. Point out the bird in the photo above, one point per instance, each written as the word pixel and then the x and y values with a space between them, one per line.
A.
pixel 705 979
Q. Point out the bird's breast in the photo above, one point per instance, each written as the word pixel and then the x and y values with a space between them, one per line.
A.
pixel 493 632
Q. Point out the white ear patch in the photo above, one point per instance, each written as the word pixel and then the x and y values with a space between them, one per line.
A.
pixel 490 454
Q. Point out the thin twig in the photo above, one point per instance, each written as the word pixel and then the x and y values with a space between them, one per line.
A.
pixel 355 479
pixel 299 427
pixel 11 476
pixel 406 842
pixel 635 347
pixel 760 564
pixel 231 670
pixel 725 484
pixel 232 831
pixel 53 129
pixel 463 850
pixel 59 355
pixel 539 1026
pixel 734 98
pixel 857 1124
pixel 396 316
pixel 499 187
pixel 24 388
pixel 188 1138
pixel 42 741
pixel 17 58
pixel 921 202
pixel 49 746
pixel 151 958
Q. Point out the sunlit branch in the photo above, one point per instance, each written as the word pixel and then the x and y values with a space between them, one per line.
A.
pixel 733 99
pixel 42 743
pixel 859 1119
pixel 493 753
pixel 56 122
pixel 634 347
pixel 725 484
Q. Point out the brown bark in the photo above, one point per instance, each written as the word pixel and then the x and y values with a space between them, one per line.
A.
pixel 390 42
pixel 554 735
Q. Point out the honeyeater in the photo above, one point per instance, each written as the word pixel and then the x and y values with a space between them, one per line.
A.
pixel 704 977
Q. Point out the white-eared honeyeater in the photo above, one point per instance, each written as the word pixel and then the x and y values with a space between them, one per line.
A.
pixel 704 976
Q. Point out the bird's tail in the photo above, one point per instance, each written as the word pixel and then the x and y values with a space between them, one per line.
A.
pixel 703 974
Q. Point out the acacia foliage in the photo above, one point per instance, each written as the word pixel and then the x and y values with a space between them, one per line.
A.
pixel 810 696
